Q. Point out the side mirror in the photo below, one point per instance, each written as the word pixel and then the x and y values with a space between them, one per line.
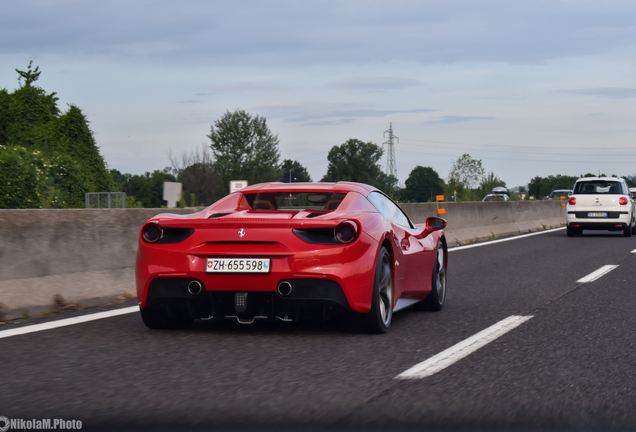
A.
pixel 435 223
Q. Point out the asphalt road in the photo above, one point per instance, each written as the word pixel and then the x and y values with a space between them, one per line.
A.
pixel 572 366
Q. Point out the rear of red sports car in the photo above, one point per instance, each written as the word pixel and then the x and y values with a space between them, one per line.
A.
pixel 271 251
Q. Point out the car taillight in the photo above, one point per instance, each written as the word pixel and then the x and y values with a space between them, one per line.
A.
pixel 347 231
pixel 572 201
pixel 151 232
pixel 623 201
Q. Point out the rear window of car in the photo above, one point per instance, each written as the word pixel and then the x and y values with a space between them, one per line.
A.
pixel 294 200
pixel 598 187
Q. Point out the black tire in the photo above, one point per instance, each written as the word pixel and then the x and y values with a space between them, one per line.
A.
pixel 634 229
pixel 162 321
pixel 570 231
pixel 379 317
pixel 627 231
pixel 435 300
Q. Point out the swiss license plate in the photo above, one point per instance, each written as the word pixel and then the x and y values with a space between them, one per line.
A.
pixel 237 265
pixel 596 214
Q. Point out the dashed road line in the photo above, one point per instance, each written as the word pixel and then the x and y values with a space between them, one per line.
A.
pixel 463 349
pixel 597 274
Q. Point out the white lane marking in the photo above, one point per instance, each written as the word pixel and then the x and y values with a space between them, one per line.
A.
pixel 463 349
pixel 634 251
pixel 67 322
pixel 597 274
pixel 456 248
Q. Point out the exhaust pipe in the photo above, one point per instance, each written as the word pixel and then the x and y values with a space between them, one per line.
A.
pixel 195 287
pixel 284 288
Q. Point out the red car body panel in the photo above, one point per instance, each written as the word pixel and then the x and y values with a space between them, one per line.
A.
pixel 243 232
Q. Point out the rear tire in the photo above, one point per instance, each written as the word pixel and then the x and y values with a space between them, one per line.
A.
pixel 162 321
pixel 437 297
pixel 379 317
pixel 627 231
pixel 570 231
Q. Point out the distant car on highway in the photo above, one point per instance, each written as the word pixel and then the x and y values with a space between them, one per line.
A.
pixel 601 203
pixel 558 193
pixel 499 193
pixel 632 193
pixel 290 251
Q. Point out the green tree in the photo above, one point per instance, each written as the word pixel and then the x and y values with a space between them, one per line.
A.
pixel 145 190
pixel 422 185
pixel 201 182
pixel 631 181
pixel 293 171
pixel 551 182
pixel 534 187
pixel 489 182
pixel 5 105
pixel 30 113
pixel 467 171
pixel 357 161
pixel 20 186
pixel 60 148
pixel 540 187
pixel 120 180
pixel 28 75
pixel 455 191
pixel 67 183
pixel 244 148
pixel 75 139
pixel 596 175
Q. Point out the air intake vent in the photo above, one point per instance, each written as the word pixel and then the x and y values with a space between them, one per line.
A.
pixel 217 215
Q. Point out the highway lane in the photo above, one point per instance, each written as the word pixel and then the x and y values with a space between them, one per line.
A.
pixel 570 366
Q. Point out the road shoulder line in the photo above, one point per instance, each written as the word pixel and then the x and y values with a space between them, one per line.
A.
pixel 67 322
pixel 517 237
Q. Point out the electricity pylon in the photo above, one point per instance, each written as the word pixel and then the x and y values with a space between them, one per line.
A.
pixel 390 160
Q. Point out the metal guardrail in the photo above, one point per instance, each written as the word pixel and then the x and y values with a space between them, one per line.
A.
pixel 105 200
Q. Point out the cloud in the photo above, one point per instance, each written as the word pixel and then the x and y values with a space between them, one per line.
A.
pixel 376 83
pixel 319 116
pixel 337 122
pixel 458 119
pixel 605 92
pixel 283 33
pixel 245 86
pixel 374 113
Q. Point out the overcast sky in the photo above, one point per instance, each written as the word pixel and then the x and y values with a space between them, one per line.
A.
pixel 529 87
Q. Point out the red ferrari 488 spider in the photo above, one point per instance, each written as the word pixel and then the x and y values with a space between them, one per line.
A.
pixel 285 251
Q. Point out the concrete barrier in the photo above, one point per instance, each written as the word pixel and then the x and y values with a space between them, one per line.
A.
pixel 87 256
pixel 469 222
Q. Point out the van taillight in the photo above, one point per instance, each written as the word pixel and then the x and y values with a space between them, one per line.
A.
pixel 623 201
pixel 572 201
